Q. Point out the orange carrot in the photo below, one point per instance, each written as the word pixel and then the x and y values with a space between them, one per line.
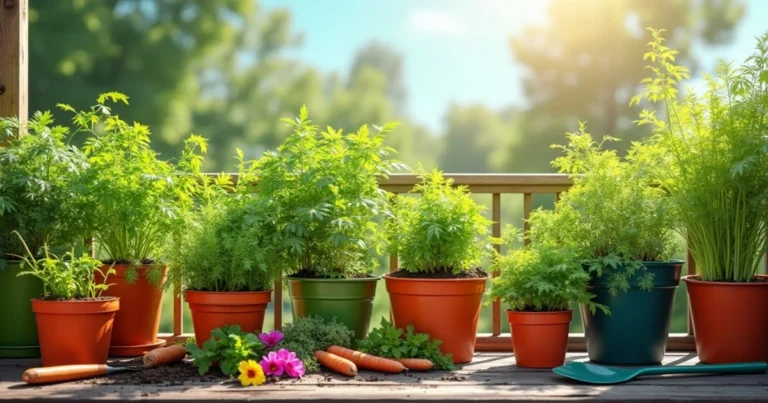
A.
pixel 336 363
pixel 368 361
pixel 165 355
pixel 416 364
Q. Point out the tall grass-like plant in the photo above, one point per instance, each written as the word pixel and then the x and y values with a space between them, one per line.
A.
pixel 323 195
pixel 711 155
pixel 443 231
pixel 38 192
pixel 613 217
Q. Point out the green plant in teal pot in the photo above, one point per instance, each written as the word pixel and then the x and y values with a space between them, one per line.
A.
pixel 39 199
pixel 620 227
pixel 323 195
pixel 710 152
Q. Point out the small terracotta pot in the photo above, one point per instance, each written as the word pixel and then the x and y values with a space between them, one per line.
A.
pixel 137 322
pixel 730 320
pixel 446 309
pixel 211 310
pixel 539 339
pixel 74 332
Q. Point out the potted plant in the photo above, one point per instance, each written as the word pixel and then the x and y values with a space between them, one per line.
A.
pixel 37 198
pixel 441 239
pixel 74 322
pixel 131 209
pixel 621 227
pixel 324 199
pixel 222 254
pixel 711 154
pixel 540 282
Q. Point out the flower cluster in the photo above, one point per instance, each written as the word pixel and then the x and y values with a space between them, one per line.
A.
pixel 275 363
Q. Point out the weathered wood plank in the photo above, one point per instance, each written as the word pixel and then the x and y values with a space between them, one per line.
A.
pixel 14 59
pixel 490 377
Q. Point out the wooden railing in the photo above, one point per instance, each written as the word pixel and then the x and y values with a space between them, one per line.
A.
pixel 496 185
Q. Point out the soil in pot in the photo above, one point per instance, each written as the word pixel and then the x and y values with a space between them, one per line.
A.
pixel 730 320
pixel 349 301
pixel 16 313
pixel 445 308
pixel 138 320
pixel 75 331
pixel 211 310
pixel 636 331
pixel 539 339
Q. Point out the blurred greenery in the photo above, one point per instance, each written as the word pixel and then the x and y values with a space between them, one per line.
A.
pixel 218 69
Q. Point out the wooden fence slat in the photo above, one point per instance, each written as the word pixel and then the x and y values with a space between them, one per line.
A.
pixel 496 232
pixel 14 67
pixel 278 303
pixel 178 312
pixel 691 271
pixel 527 207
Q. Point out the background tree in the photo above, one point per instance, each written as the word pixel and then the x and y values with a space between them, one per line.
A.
pixel 584 63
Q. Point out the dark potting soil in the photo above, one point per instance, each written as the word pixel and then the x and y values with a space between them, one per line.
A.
pixel 144 262
pixel 164 375
pixel 51 298
pixel 312 274
pixel 472 273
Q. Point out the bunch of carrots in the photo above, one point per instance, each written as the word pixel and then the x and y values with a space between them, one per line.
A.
pixel 345 361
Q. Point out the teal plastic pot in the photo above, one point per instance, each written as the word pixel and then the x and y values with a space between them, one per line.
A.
pixel 636 332
pixel 18 331
pixel 350 301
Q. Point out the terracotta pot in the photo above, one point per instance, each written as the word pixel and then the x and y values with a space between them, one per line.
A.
pixel 138 320
pixel 74 332
pixel 539 339
pixel 446 309
pixel 730 320
pixel 211 310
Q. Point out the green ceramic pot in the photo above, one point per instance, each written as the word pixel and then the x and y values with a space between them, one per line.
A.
pixel 350 301
pixel 636 332
pixel 18 337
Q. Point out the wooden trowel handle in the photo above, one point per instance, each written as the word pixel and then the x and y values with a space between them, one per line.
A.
pixel 63 373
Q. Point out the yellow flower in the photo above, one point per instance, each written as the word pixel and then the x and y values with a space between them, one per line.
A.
pixel 251 373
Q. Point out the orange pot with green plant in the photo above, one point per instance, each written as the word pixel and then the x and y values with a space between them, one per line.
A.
pixel 74 322
pixel 540 282
pixel 441 238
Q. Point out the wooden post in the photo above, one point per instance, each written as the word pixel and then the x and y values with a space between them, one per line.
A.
pixel 14 60
pixel 496 232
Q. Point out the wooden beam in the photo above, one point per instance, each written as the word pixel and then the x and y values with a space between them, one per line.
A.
pixel 14 58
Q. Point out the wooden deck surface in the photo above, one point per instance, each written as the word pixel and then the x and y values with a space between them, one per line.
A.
pixel 490 377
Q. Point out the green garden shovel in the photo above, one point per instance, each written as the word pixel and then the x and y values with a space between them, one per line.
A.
pixel 600 374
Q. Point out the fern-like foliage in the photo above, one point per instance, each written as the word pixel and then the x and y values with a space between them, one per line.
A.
pixel 444 230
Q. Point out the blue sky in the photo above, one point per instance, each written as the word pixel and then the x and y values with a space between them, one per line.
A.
pixel 455 51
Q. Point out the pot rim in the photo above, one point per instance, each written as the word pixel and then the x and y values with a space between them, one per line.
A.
pixel 696 279
pixel 540 313
pixel 334 280
pixel 670 262
pixel 110 304
pixel 228 292
pixel 435 280
pixel 106 298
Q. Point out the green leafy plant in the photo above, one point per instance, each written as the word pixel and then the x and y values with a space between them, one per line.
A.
pixel 131 191
pixel 324 197
pixel 38 193
pixel 390 342
pixel 711 155
pixel 228 346
pixel 65 278
pixel 305 335
pixel 541 278
pixel 443 231
pixel 613 217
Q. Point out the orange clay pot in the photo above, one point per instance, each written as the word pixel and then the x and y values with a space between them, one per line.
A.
pixel 539 339
pixel 137 322
pixel 74 332
pixel 730 320
pixel 446 309
pixel 211 310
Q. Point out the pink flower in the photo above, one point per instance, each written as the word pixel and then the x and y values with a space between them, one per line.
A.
pixel 272 364
pixel 293 366
pixel 272 338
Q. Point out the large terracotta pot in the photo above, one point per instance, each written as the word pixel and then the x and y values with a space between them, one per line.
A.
pixel 730 320
pixel 137 322
pixel 211 310
pixel 74 332
pixel 446 309
pixel 539 339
